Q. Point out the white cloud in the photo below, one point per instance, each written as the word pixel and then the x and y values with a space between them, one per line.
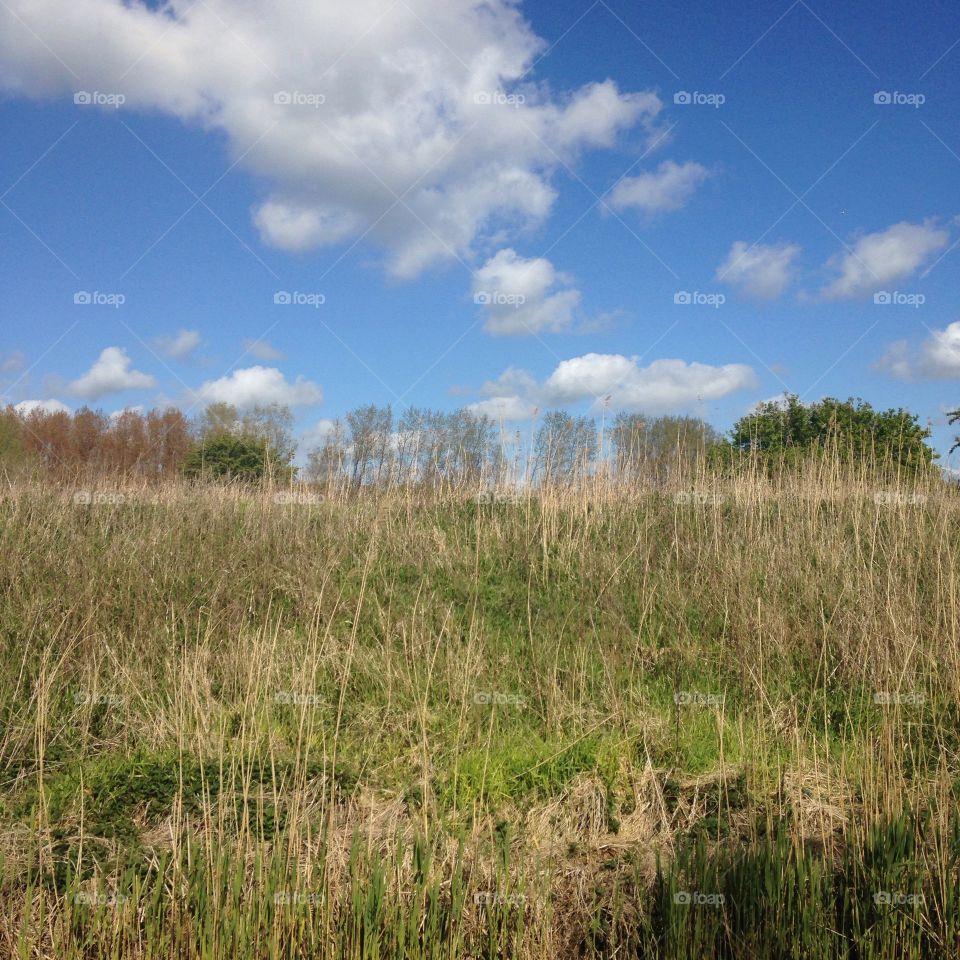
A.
pixel 12 362
pixel 316 434
pixel 666 188
pixel 762 272
pixel 262 350
pixel 26 407
pixel 179 347
pixel 504 408
pixel 520 296
pixel 937 358
pixel 110 373
pixel 427 100
pixel 664 386
pixel 878 259
pixel 258 385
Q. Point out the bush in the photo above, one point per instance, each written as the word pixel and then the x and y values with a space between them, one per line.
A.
pixel 788 431
pixel 229 458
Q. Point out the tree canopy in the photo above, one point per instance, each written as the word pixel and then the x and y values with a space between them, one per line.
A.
pixel 852 430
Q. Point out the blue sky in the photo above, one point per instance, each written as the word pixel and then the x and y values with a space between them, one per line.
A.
pixel 480 204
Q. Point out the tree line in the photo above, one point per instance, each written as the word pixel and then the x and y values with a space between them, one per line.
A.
pixel 371 445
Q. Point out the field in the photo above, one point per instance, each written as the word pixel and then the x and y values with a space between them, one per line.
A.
pixel 719 720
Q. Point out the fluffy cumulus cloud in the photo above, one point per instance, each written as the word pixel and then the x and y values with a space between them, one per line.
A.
pixel 26 407
pixel 936 358
pixel 180 346
pixel 521 296
pixel 658 191
pixel 882 258
pixel 664 386
pixel 111 373
pixel 258 385
pixel 758 271
pixel 415 123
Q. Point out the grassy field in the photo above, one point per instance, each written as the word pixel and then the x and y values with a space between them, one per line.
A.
pixel 714 721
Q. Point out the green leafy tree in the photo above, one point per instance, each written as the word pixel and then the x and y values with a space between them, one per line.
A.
pixel 787 431
pixel 265 427
pixel 228 457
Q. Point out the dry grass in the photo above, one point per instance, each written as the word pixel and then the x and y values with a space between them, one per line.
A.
pixel 212 697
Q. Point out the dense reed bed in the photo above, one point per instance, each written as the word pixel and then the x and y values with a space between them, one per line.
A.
pixel 715 719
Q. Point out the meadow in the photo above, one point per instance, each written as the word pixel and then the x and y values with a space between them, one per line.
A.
pixel 719 718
